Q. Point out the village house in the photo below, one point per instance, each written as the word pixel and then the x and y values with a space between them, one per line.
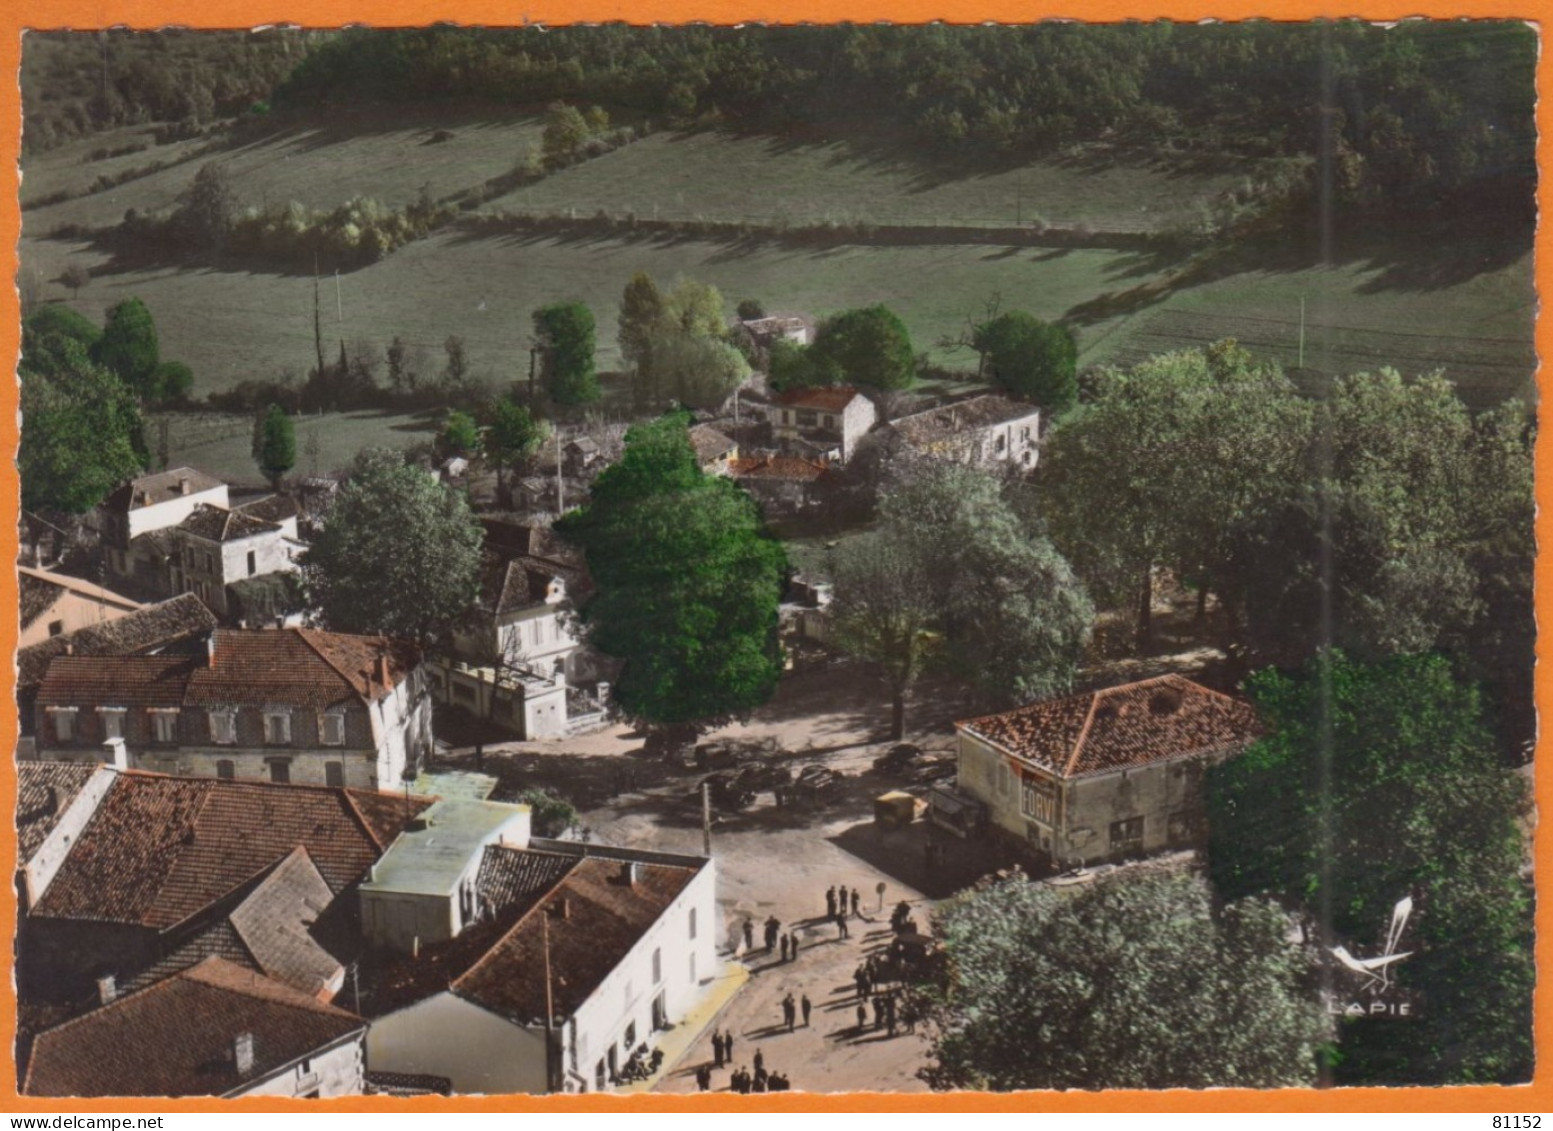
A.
pixel 986 431
pixel 215 1029
pixel 1106 774
pixel 54 604
pixel 213 549
pixel 516 658
pixel 137 876
pixel 276 705
pixel 765 331
pixel 782 484
pixel 136 514
pixel 578 954
pixel 180 624
pixel 821 423
pixel 715 452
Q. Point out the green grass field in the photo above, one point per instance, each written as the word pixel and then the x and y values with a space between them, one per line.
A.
pixel 319 165
pixel 765 180
pixel 221 444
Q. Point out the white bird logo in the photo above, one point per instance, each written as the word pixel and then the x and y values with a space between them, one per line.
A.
pixel 1377 971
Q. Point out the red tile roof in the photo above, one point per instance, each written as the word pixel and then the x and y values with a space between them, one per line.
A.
pixel 44 790
pixel 161 487
pixel 787 468
pixel 1118 728
pixel 216 525
pixel 499 965
pixel 294 667
pixel 833 398
pixel 176 1038
pixel 152 627
pixel 160 849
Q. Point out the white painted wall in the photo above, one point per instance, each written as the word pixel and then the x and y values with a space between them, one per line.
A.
pixel 172 511
pixel 40 870
pixel 482 1054
pixel 338 1071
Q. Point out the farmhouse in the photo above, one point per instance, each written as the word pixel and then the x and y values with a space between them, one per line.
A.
pixel 987 431
pixel 278 705
pixel 579 954
pixel 781 483
pixel 53 604
pixel 1106 774
pixel 823 423
pixel 214 1029
pixel 715 452
pixel 214 548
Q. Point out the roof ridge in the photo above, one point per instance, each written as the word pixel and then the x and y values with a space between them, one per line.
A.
pixel 355 811
pixel 537 905
pixel 1078 746
pixel 277 993
pixel 306 636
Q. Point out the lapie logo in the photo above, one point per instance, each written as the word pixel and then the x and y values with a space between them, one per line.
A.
pixel 1379 997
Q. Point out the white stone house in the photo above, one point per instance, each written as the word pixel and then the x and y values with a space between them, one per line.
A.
pixel 580 955
pixel 282 705
pixel 1106 774
pixel 143 507
pixel 214 548
pixel 986 431
pixel 822 423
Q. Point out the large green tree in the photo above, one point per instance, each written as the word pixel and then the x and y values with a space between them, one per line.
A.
pixel 691 369
pixel 128 347
pixel 954 578
pixel 397 554
pixel 511 436
pixel 1030 358
pixel 275 445
pixel 869 346
pixel 687 583
pixel 82 433
pixel 1133 982
pixel 1164 465
pixel 1379 781
pixel 565 331
pixel 641 311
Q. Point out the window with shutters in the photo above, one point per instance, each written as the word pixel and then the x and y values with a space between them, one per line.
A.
pixel 64 723
pixel 226 769
pixel 277 728
pixel 164 725
pixel 331 729
pixel 112 721
pixel 223 727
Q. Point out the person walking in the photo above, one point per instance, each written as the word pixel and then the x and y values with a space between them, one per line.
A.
pixel 717 1048
pixel 773 927
pixel 760 1063
pixel 857 904
pixel 789 1011
pixel 749 935
pixel 878 1012
pixel 807 1005
pixel 841 922
pixel 703 1078
pixel 728 1045
pixel 862 1017
pixel 784 948
pixel 830 903
pixel 792 947
pixel 889 1013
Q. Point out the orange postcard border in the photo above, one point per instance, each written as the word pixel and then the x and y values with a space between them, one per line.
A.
pixel 93 14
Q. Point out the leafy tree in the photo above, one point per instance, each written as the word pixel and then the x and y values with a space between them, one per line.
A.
pixel 866 347
pixel 695 371
pixel 552 815
pixel 956 580
pixel 75 277
pixel 1164 465
pixel 457 367
pixel 275 445
pixel 1378 781
pixel 791 366
pixel 82 433
pixel 171 382
pixel 460 435
pixel 566 131
pixel 57 318
pixel 696 308
pixel 565 333
pixel 211 208
pixel 1133 982
pixel 128 346
pixel 750 309
pixel 1031 359
pixel 398 554
pixel 511 436
pixel 687 583
pixel 641 310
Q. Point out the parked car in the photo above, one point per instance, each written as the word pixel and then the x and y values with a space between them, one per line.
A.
pixel 727 791
pixel 898 759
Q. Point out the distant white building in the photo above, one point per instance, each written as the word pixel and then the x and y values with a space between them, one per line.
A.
pixel 985 431
pixel 822 423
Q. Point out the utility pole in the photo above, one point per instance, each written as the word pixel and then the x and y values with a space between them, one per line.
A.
pixel 1302 332
pixel 706 819
pixel 318 325
pixel 560 479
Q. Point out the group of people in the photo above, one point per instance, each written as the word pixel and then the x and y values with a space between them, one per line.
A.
pixel 743 1080
pixel 775 938
pixel 839 901
pixel 888 1013
pixel 790 1009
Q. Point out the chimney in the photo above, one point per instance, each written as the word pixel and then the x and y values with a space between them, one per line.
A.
pixel 415 947
pixel 183 484
pixel 242 1053
pixel 628 873
pixel 116 754
pixel 107 989
pixel 382 670
pixel 69 648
